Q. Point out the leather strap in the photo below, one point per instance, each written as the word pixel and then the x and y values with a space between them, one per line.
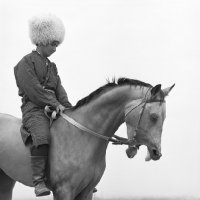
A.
pixel 83 128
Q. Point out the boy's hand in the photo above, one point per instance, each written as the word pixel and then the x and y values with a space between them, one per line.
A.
pixel 60 108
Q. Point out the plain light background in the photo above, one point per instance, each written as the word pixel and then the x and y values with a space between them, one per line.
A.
pixel 155 41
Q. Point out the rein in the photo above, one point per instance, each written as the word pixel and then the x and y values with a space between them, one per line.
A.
pixel 51 114
pixel 119 140
pixel 83 128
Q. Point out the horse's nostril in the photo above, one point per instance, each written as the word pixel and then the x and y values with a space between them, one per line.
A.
pixel 156 153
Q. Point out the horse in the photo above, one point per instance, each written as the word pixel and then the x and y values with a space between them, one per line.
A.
pixel 80 137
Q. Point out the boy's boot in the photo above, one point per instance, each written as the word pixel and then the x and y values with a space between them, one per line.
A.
pixel 38 164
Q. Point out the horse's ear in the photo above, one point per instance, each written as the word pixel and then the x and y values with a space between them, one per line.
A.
pixel 155 89
pixel 167 90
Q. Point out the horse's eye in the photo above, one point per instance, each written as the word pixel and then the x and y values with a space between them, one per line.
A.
pixel 154 117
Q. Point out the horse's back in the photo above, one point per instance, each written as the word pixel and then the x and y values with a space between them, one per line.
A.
pixel 9 130
pixel 14 155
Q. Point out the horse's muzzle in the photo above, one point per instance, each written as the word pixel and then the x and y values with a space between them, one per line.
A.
pixel 153 154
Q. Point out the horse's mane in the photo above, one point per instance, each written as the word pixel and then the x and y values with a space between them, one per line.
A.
pixel 110 85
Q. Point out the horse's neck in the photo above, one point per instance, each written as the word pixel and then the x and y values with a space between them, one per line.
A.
pixel 105 114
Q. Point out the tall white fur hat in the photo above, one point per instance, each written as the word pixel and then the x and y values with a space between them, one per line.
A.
pixel 46 28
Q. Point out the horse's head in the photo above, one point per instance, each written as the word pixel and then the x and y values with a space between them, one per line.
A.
pixel 144 120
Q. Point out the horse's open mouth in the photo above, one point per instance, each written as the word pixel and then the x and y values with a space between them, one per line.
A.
pixel 153 154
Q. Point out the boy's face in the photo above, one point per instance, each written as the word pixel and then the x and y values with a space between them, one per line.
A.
pixel 49 49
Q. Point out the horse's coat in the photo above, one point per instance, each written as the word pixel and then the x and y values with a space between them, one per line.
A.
pixel 77 158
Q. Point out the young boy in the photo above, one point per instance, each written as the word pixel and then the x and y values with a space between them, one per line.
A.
pixel 39 85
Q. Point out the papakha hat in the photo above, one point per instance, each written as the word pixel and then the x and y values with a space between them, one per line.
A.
pixel 46 28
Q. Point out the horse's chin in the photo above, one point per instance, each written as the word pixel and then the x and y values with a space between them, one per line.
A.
pixel 131 152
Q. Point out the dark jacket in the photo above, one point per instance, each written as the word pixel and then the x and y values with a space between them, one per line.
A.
pixel 31 74
pixel 39 85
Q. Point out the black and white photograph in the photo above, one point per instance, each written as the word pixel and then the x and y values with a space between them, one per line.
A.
pixel 100 100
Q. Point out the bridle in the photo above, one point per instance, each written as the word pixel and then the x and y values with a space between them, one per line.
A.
pixel 132 142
